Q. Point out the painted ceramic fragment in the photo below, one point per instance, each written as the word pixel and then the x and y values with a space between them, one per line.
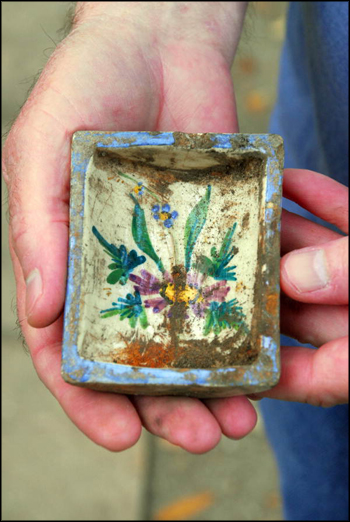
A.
pixel 173 284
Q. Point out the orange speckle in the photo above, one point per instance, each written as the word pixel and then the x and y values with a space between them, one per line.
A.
pixel 272 304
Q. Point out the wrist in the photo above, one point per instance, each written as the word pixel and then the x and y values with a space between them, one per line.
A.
pixel 215 25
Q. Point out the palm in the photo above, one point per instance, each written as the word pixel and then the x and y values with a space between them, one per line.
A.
pixel 98 89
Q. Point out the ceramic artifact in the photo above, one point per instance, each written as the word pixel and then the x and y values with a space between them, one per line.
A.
pixel 173 276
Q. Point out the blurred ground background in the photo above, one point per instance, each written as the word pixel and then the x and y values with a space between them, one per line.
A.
pixel 50 470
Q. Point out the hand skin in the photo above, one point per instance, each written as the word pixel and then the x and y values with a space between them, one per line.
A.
pixel 125 66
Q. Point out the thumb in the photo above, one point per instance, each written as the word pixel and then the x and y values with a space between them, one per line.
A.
pixel 36 160
pixel 36 166
pixel 317 274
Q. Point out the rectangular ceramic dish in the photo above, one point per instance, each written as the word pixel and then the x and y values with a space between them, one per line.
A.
pixel 173 277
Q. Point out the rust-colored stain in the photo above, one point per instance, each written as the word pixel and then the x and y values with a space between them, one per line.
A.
pixel 187 354
pixel 186 507
pixel 272 304
pixel 155 355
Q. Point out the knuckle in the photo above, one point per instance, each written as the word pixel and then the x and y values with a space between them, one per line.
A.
pixel 12 153
pixel 340 215
pixel 341 264
pixel 344 255
pixel 324 396
pixel 6 159
pixel 5 173
pixel 319 393
pixel 19 227
pixel 322 401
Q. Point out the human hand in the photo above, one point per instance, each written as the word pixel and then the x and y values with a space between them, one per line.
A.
pixel 314 303
pixel 125 66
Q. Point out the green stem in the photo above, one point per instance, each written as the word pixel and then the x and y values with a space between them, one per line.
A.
pixel 175 249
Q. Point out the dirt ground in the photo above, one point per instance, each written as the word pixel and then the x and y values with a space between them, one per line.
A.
pixel 50 470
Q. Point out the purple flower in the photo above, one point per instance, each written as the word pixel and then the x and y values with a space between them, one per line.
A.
pixel 216 292
pixel 193 294
pixel 158 304
pixel 148 284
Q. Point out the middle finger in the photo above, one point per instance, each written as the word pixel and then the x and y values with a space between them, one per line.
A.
pixel 183 421
pixel 313 323
pixel 298 232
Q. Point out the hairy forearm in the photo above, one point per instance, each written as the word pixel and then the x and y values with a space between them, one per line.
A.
pixel 215 25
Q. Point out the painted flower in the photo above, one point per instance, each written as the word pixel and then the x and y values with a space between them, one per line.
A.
pixel 129 308
pixel 193 293
pixel 218 266
pixel 220 316
pixel 163 214
pixel 183 291
pixel 148 284
pixel 139 189
pixel 123 262
pixel 215 292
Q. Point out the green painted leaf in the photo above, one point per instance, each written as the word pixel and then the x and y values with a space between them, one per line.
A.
pixel 143 319
pixel 218 266
pixel 110 249
pixel 208 322
pixel 220 316
pixel 133 321
pixel 110 314
pixel 194 224
pixel 204 265
pixel 123 262
pixel 226 244
pixel 140 234
pixel 115 276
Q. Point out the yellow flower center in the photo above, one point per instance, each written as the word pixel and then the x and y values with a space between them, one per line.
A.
pixel 164 215
pixel 137 189
pixel 183 295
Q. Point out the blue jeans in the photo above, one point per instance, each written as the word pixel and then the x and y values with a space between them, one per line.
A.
pixel 311 443
pixel 311 448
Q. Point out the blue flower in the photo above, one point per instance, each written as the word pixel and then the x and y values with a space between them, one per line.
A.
pixel 139 189
pixel 164 214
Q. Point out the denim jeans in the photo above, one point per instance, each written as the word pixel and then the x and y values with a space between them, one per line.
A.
pixel 311 443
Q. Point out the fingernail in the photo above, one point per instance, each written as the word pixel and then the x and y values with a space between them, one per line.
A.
pixel 307 271
pixel 34 290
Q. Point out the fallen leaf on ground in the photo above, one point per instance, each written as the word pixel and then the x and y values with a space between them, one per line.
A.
pixel 247 64
pixel 185 507
pixel 257 101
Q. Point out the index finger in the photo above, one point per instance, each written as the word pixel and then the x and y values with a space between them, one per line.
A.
pixel 319 194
